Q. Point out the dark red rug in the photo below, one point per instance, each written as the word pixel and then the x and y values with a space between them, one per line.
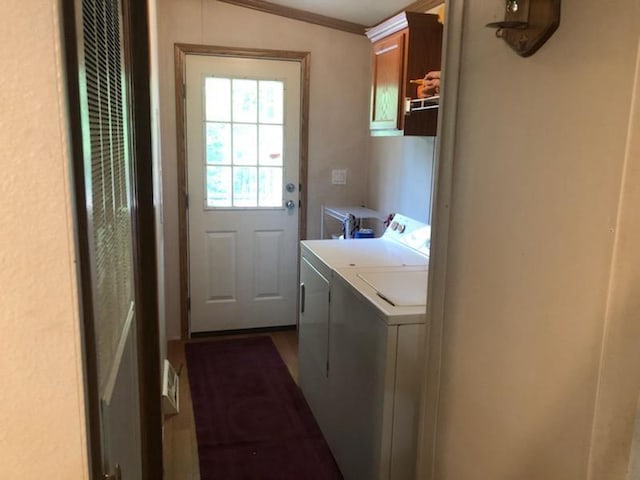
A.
pixel 252 421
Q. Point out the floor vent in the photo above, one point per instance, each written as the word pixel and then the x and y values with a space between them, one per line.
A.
pixel 170 390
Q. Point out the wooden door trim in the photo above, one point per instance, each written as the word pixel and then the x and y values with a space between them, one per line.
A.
pixel 181 50
pixel 442 187
pixel 136 27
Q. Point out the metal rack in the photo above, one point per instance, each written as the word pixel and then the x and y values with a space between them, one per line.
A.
pixel 419 104
pixel 344 214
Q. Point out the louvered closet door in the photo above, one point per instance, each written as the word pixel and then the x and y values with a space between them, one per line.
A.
pixel 108 191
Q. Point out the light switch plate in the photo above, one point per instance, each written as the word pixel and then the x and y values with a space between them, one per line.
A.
pixel 339 177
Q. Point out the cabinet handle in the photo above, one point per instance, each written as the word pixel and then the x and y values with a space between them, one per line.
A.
pixel 302 297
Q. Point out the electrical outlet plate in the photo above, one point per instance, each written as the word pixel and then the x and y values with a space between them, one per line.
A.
pixel 339 177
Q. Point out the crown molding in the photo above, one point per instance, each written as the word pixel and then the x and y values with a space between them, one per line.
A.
pixel 398 20
pixel 422 6
pixel 301 15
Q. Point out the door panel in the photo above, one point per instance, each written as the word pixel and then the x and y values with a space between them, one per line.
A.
pixel 120 411
pixel 267 273
pixel 103 171
pixel 243 147
pixel 388 59
pixel 221 266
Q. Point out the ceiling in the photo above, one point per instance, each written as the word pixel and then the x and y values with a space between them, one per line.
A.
pixel 363 12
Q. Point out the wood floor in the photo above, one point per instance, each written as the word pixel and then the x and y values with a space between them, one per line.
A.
pixel 180 447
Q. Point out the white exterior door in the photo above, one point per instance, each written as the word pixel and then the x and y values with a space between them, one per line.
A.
pixel 243 153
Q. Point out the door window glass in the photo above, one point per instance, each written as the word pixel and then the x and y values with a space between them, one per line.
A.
pixel 244 136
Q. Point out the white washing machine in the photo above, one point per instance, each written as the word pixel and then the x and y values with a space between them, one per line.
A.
pixel 404 242
pixel 362 316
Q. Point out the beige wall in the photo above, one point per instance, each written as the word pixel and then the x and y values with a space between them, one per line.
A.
pixel 400 176
pixel 338 111
pixel 41 401
pixel 541 144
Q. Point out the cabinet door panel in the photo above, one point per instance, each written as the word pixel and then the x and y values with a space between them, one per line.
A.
pixel 388 65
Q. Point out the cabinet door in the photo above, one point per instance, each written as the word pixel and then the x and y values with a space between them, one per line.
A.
pixel 387 89
pixel 313 340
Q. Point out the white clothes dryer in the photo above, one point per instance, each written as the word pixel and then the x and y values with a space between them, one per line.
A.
pixel 362 316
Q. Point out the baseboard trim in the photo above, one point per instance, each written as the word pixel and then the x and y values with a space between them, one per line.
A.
pixel 246 331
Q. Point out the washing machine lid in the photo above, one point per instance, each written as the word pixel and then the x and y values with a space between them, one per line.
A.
pixel 405 243
pixel 400 288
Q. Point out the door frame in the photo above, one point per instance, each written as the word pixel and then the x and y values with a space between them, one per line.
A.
pixel 181 50
pixel 137 58
pixel 442 184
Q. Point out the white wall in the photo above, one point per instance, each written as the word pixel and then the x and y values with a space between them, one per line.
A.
pixel 42 432
pixel 619 385
pixel 156 136
pixel 541 145
pixel 634 462
pixel 339 106
pixel 400 176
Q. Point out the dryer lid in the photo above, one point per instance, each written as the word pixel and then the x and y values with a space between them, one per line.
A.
pixel 400 288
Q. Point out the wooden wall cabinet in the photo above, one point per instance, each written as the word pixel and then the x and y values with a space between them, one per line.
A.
pixel 405 47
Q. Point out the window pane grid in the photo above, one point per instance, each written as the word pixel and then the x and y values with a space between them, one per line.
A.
pixel 244 140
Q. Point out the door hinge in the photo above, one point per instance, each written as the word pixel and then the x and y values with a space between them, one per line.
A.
pixel 184 90
pixel 299 203
pixel 186 200
pixel 329 296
